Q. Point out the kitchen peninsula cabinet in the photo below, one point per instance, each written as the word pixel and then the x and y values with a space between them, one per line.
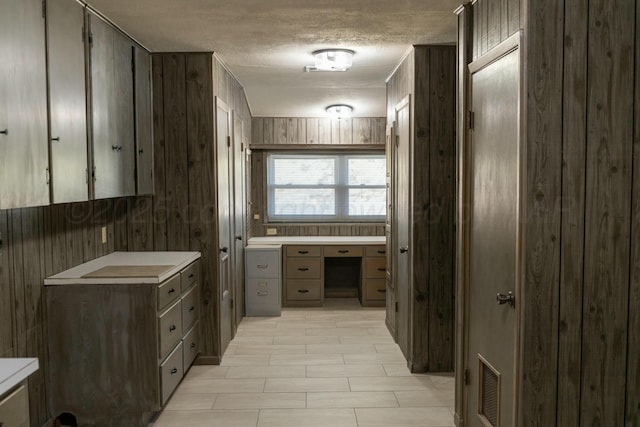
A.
pixel 123 332
pixel 24 173
pixel 67 101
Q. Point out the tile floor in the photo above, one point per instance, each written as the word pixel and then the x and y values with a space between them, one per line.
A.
pixel 331 367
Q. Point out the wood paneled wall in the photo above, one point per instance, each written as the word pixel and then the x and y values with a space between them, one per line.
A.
pixel 318 130
pixel 298 132
pixel 427 74
pixel 493 22
pixel 580 341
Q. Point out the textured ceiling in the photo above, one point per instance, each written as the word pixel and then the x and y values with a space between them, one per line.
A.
pixel 267 43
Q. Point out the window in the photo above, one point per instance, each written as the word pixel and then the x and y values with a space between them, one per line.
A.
pixel 326 187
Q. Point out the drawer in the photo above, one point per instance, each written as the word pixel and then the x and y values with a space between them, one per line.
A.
pixel 304 268
pixel 263 264
pixel 14 409
pixel 304 251
pixel 170 328
pixel 189 276
pixel 171 372
pixel 375 289
pixel 190 347
pixel 375 268
pixel 263 297
pixel 168 291
pixel 304 290
pixel 189 308
pixel 376 250
pixel 342 251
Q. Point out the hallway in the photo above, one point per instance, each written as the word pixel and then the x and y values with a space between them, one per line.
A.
pixel 332 366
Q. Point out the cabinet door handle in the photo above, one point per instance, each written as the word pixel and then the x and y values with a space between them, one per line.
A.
pixel 344 251
pixel 174 371
pixel 303 291
pixel 192 308
pixel 382 269
pixel 303 269
pixel 172 328
pixel 193 345
pixel 303 252
pixel 263 265
pixel 404 250
pixel 191 276
pixel 4 132
pixel 56 139
pixel 172 290
pixel 382 252
pixel 140 151
pixel 239 238
pixel 382 291
pixel 224 250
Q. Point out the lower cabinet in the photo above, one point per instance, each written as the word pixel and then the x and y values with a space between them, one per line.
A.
pixel 14 408
pixel 118 351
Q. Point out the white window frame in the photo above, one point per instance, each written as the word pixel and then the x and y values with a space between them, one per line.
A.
pixel 341 188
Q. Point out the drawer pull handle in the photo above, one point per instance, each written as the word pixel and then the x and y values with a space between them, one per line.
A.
pixel 303 252
pixel 382 291
pixel 172 328
pixel 174 371
pixel 171 291
pixel 382 269
pixel 193 345
pixel 344 251
pixel 382 252
pixel 303 291
pixel 192 308
pixel 303 269
pixel 191 276
pixel 263 265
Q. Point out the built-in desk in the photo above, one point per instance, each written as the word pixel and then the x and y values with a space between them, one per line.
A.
pixel 309 260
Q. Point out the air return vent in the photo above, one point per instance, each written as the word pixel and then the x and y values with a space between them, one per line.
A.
pixel 489 394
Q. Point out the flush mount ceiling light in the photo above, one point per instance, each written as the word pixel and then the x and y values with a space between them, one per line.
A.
pixel 339 111
pixel 331 60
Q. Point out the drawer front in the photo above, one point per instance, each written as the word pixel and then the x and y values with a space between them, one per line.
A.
pixel 170 328
pixel 171 372
pixel 190 347
pixel 342 251
pixel 189 308
pixel 168 291
pixel 375 289
pixel 302 251
pixel 189 276
pixel 304 268
pixel 375 268
pixel 376 251
pixel 263 264
pixel 263 297
pixel 304 290
pixel 14 409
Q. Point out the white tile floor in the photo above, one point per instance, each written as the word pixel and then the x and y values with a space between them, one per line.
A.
pixel 333 366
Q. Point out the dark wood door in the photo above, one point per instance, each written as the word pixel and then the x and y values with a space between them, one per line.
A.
pixel 493 240
pixel 225 224
pixel 402 223
pixel 144 122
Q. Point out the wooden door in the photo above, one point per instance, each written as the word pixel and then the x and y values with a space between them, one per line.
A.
pixel 238 217
pixel 493 239
pixel 67 101
pixel 391 296
pixel 225 224
pixel 23 105
pixel 402 223
pixel 112 104
pixel 144 121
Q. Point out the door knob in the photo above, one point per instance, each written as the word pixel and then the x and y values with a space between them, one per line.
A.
pixel 404 249
pixel 225 249
pixel 4 131
pixel 509 298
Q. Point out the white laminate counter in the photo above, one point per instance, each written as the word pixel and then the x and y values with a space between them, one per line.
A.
pixel 318 240
pixel 14 371
pixel 178 261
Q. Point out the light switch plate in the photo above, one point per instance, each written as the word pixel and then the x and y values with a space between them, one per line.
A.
pixel 272 231
pixel 256 216
pixel 104 234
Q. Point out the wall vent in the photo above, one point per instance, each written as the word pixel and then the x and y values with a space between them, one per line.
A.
pixel 489 394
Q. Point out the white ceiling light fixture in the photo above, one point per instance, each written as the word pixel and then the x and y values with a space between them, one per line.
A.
pixel 339 111
pixel 331 60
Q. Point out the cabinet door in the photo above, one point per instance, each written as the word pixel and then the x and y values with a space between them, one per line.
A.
pixel 112 111
pixel 144 122
pixel 67 101
pixel 23 106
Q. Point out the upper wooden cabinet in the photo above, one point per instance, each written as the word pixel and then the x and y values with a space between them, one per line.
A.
pixel 67 101
pixel 112 110
pixel 144 121
pixel 24 158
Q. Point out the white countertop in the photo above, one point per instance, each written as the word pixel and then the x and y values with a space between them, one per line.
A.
pixel 318 240
pixel 178 260
pixel 14 371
